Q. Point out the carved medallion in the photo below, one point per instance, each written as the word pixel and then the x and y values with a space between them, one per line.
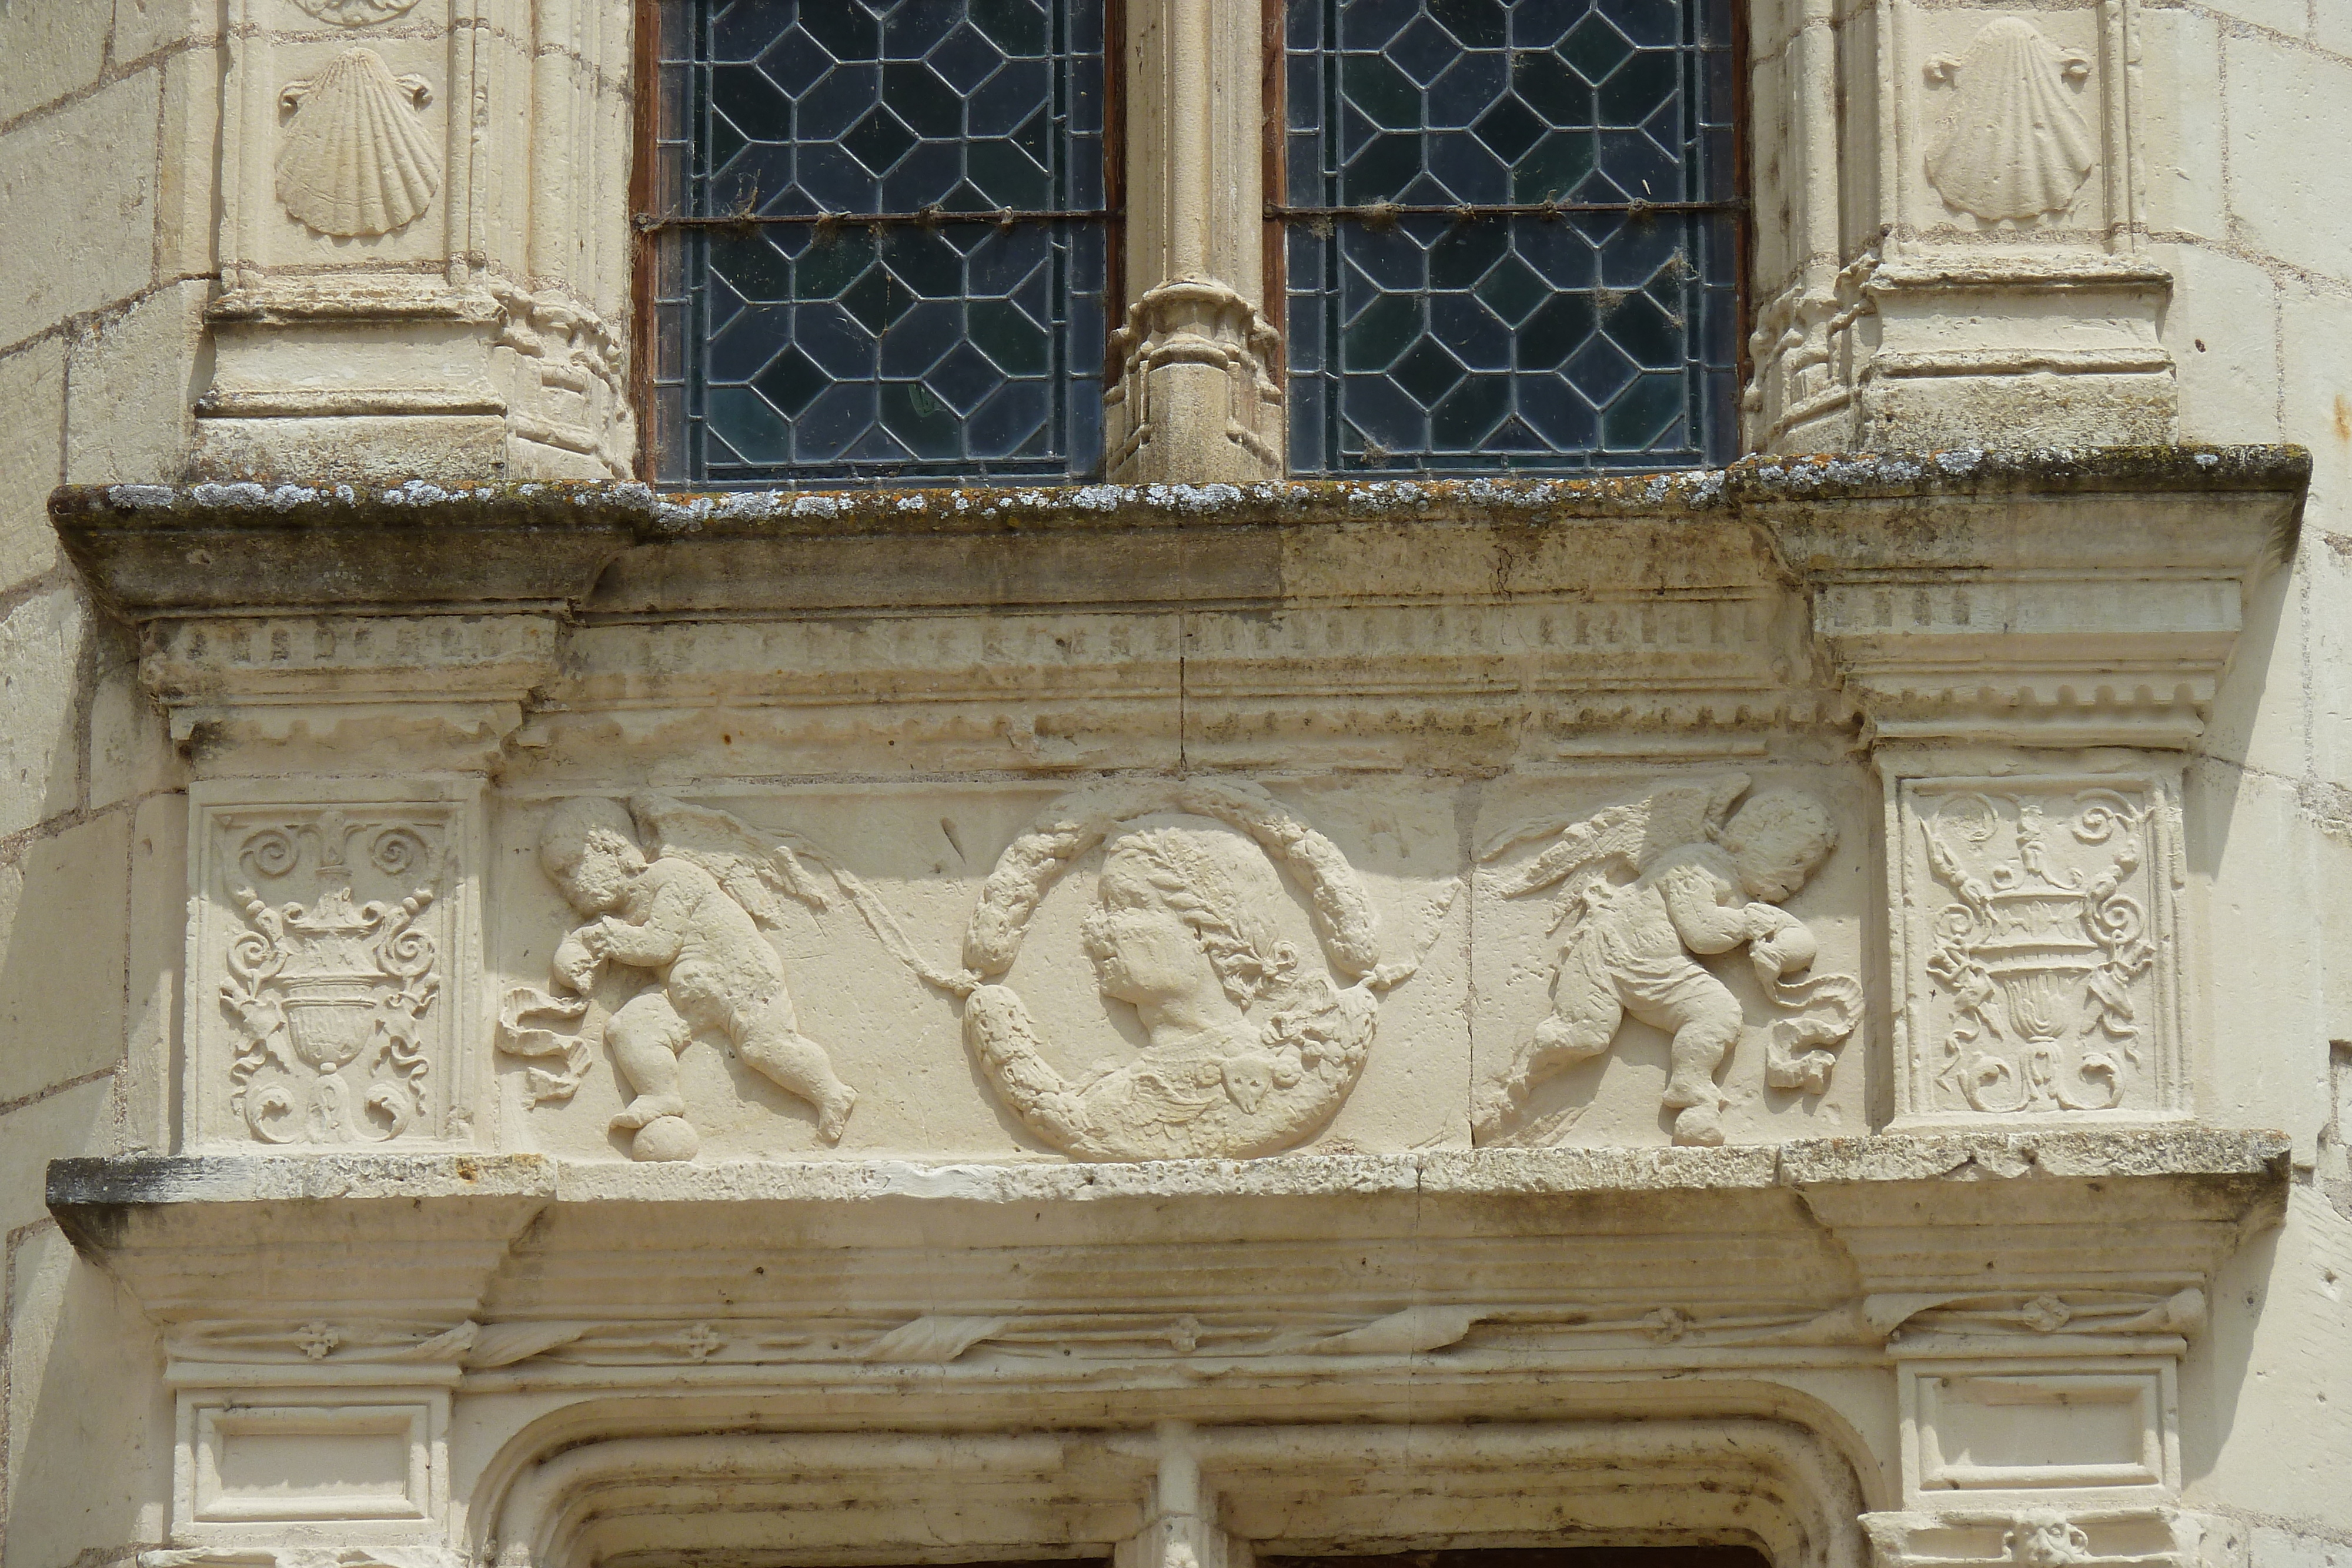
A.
pixel 356 13
pixel 329 995
pixel 2043 964
pixel 2014 144
pixel 1646 886
pixel 1252 1046
pixel 357 158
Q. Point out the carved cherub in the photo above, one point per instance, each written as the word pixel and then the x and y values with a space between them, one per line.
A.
pixel 1698 884
pixel 690 913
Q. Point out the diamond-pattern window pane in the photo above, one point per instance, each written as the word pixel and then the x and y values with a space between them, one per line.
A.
pixel 1574 341
pixel 960 348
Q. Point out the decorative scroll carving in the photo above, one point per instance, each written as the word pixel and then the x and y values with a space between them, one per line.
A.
pixel 329 997
pixel 2044 963
pixel 356 13
pixel 1249 1053
pixel 690 913
pixel 357 159
pixel 1695 878
pixel 2014 144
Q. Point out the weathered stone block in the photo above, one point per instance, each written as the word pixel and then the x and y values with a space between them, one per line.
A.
pixel 68 906
pixel 132 381
pixel 51 50
pixel 44 639
pixel 2225 349
pixel 31 462
pixel 2283 101
pixel 77 196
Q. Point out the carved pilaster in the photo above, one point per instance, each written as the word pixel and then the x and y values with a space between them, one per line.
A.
pixel 329 971
pixel 415 280
pixel 1957 258
pixel 1193 397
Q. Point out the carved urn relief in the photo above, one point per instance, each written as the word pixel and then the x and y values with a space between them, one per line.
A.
pixel 330 996
pixel 2037 917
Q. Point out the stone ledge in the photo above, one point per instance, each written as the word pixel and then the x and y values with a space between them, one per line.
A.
pixel 2103 1153
pixel 1788 1251
pixel 991 508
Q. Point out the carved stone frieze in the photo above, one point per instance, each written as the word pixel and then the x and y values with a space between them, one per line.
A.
pixel 2039 945
pixel 1249 1051
pixel 688 914
pixel 327 1000
pixel 1644 888
pixel 357 13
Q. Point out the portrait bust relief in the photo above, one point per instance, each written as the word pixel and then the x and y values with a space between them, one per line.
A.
pixel 1251 1045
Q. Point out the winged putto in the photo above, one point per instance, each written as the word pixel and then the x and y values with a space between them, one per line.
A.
pixel 687 906
pixel 1647 886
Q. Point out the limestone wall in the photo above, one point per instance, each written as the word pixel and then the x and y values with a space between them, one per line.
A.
pixel 104 271
pixel 2254 220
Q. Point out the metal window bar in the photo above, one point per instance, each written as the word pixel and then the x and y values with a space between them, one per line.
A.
pixel 1351 275
pixel 807 327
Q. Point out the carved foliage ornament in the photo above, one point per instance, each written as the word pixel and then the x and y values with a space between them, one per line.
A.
pixel 1645 885
pixel 2013 145
pixel 357 158
pixel 2044 959
pixel 329 998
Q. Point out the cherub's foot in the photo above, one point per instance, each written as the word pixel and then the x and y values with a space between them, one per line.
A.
pixel 834 1116
pixel 646 1108
pixel 1700 1126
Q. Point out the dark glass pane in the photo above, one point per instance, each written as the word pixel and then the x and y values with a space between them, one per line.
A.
pixel 887 351
pixel 1493 340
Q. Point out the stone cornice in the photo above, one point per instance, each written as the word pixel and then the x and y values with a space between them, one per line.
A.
pixel 2040 599
pixel 1844 1241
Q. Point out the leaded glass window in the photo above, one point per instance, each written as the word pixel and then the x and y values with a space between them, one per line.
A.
pixel 958 331
pixel 1511 238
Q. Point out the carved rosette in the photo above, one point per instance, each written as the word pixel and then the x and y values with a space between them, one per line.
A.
pixel 2039 929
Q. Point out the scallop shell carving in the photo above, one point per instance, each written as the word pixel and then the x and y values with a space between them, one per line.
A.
pixel 357 158
pixel 2015 144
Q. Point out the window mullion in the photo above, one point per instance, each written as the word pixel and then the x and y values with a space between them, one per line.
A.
pixel 1195 399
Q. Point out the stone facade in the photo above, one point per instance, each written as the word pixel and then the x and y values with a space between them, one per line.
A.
pixel 545 1021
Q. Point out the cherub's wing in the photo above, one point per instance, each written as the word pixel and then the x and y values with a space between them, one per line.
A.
pixel 753 866
pixel 1636 832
